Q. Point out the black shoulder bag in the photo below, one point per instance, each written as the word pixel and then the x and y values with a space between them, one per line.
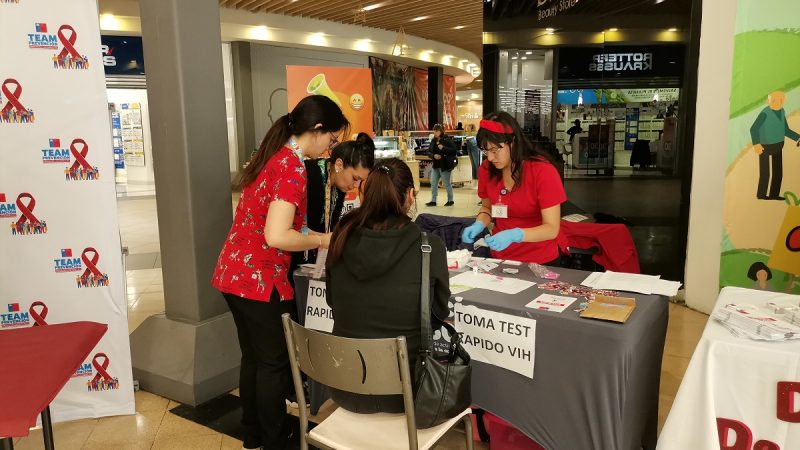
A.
pixel 442 389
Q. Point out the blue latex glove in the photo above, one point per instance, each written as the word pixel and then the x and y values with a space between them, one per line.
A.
pixel 503 239
pixel 472 231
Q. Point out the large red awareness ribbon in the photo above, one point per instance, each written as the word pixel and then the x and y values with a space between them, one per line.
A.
pixel 12 96
pixel 68 42
pixel 79 155
pixel 100 368
pixel 38 317
pixel 26 210
pixel 91 264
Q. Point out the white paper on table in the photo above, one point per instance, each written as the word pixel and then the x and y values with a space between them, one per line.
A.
pixel 494 260
pixel 457 288
pixel 631 282
pixel 592 279
pixel 508 262
pixel 491 282
pixel 548 302
pixel 667 288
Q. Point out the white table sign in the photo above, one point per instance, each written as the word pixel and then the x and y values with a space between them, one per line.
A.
pixel 319 315
pixel 502 340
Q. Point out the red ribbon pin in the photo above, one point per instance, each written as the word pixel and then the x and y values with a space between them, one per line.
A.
pixel 38 317
pixel 12 96
pixel 100 368
pixel 79 155
pixel 26 210
pixel 91 263
pixel 68 42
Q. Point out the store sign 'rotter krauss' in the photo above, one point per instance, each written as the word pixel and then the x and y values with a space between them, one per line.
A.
pixel 621 62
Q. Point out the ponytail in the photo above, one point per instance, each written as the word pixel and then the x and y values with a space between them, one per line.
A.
pixel 310 111
pixel 383 204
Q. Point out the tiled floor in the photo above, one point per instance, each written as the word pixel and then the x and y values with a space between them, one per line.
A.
pixel 155 427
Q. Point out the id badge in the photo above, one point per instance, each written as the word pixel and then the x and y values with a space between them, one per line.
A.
pixel 500 211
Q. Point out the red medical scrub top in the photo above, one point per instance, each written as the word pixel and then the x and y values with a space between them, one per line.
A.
pixel 541 188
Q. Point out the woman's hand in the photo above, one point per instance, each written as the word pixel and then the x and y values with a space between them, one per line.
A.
pixel 472 232
pixel 503 239
pixel 325 240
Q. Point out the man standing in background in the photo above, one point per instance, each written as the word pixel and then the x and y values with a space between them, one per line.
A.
pixel 768 133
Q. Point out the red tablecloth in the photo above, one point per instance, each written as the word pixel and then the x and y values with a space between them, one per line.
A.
pixel 37 363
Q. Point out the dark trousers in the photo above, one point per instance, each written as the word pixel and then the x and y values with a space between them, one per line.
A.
pixel 265 375
pixel 774 153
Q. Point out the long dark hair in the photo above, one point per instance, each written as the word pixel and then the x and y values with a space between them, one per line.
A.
pixel 520 147
pixel 310 111
pixel 360 152
pixel 384 204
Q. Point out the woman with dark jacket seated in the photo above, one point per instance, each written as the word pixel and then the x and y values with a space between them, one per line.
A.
pixel 374 271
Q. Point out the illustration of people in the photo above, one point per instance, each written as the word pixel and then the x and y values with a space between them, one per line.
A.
pixel 768 133
pixel 760 274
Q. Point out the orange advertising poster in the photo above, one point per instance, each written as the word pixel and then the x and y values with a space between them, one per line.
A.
pixel 350 88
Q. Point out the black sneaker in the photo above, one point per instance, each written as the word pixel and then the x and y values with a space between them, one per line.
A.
pixel 450 203
pixel 430 204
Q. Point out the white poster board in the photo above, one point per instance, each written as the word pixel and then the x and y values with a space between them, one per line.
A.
pixel 503 340
pixel 319 315
pixel 58 228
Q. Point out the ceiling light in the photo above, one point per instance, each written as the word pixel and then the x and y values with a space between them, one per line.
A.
pixel 613 30
pixel 513 57
pixel 524 57
pixel 464 60
pixel 109 22
pixel 373 6
pixel 417 19
pixel 460 27
pixel 474 95
pixel 673 29
pixel 529 53
pixel 478 79
pixel 550 30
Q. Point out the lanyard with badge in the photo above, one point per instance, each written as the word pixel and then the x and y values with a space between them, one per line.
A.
pixel 500 209
pixel 322 254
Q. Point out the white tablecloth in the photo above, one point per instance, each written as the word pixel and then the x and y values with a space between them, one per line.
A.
pixel 735 379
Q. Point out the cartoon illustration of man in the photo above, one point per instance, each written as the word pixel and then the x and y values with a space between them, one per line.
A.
pixel 768 133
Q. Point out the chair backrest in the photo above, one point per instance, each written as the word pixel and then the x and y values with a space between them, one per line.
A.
pixel 361 366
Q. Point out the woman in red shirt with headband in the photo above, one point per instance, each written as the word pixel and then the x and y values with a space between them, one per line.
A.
pixel 521 192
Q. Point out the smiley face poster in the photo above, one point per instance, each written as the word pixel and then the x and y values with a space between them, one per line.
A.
pixel 350 88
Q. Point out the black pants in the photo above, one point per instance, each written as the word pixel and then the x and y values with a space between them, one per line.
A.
pixel 773 152
pixel 265 375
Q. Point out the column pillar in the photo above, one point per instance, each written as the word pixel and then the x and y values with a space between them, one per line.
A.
pixel 491 64
pixel 243 98
pixel 191 353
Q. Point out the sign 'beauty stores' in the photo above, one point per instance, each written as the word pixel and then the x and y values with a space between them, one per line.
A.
pixel 552 8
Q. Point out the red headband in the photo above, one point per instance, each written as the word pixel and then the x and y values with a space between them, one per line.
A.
pixel 496 127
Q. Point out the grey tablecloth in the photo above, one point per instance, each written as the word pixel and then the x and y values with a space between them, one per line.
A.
pixel 595 385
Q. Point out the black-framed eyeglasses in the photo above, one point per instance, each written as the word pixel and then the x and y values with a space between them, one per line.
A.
pixel 334 141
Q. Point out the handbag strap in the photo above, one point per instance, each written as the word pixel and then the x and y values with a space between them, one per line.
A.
pixel 425 301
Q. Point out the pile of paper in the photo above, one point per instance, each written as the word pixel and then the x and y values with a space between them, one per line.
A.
pixel 490 282
pixel 748 321
pixel 631 282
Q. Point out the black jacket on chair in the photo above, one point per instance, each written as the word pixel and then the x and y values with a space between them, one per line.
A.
pixel 374 292
pixel 448 152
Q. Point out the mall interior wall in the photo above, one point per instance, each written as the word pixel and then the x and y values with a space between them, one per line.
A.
pixel 268 73
pixel 710 154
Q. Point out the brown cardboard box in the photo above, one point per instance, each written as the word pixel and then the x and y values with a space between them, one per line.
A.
pixel 613 309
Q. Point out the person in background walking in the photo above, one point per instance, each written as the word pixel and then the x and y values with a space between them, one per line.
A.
pixel 443 152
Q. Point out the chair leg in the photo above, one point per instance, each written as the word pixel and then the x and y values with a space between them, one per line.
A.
pixel 468 431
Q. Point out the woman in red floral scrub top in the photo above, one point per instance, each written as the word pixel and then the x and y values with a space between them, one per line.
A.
pixel 521 192
pixel 253 268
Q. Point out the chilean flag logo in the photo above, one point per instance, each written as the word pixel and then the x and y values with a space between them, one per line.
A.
pixel 13 307
pixel 41 27
pixel 66 253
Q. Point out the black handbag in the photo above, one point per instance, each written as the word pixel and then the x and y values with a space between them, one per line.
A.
pixel 442 389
